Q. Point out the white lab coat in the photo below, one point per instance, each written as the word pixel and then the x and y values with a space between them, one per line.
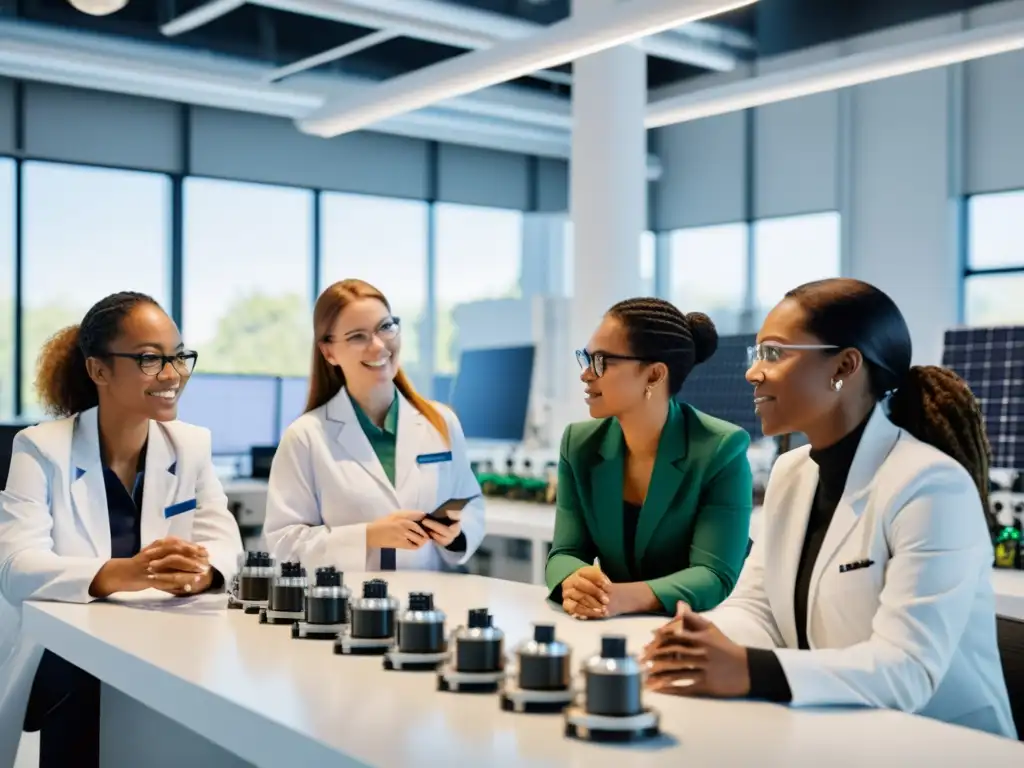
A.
pixel 55 530
pixel 326 485
pixel 915 630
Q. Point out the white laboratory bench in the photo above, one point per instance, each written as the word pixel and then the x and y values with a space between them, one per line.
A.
pixel 535 523
pixel 257 697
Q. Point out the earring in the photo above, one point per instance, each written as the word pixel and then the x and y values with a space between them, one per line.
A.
pixel 647 393
pixel 837 384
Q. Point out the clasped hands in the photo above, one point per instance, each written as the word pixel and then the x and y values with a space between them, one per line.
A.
pixel 690 656
pixel 171 565
pixel 589 594
pixel 411 529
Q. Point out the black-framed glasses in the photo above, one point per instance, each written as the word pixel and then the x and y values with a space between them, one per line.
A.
pixel 153 364
pixel 598 361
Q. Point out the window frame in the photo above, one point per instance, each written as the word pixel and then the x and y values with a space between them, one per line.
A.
pixel 966 226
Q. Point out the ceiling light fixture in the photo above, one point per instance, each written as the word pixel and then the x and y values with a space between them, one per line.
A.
pixel 574 38
pixel 843 72
pixel 98 7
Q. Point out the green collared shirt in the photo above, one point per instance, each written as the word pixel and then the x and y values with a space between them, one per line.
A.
pixel 381 440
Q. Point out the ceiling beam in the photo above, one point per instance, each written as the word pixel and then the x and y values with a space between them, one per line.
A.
pixel 557 44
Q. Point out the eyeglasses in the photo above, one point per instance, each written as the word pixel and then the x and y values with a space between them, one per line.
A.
pixel 770 352
pixel 386 331
pixel 598 361
pixel 152 364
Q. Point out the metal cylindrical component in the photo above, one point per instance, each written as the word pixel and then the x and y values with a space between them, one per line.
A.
pixel 288 592
pixel 421 627
pixel 373 615
pixel 255 577
pixel 544 663
pixel 479 646
pixel 327 598
pixel 613 680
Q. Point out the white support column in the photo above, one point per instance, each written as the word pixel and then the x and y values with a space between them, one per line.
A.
pixel 608 184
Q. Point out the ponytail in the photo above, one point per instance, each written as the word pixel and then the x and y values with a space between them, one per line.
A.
pixel 63 383
pixel 937 407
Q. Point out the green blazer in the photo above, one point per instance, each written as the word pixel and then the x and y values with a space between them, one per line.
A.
pixel 692 533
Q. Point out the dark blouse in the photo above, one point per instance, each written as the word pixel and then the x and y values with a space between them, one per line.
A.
pixel 767 678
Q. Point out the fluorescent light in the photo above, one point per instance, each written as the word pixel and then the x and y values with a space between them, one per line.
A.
pixel 574 38
pixel 842 72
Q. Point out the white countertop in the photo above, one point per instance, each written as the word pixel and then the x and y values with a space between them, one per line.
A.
pixel 256 692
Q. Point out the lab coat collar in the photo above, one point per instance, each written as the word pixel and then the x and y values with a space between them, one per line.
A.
pixel 350 436
pixel 89 491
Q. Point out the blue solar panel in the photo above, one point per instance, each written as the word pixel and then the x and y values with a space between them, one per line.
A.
pixel 718 386
pixel 240 411
pixel 991 361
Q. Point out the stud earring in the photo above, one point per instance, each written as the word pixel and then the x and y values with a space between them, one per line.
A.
pixel 647 393
pixel 837 384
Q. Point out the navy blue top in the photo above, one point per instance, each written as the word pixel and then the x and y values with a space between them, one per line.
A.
pixel 125 510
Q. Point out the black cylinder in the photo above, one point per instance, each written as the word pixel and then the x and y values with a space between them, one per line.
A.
pixel 328 577
pixel 542 671
pixel 254 588
pixel 326 610
pixel 421 601
pixel 421 637
pixel 375 588
pixel 478 655
pixel 615 692
pixel 372 624
pixel 286 599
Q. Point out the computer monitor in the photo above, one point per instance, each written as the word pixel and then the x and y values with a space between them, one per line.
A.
pixel 719 388
pixel 240 411
pixel 292 403
pixel 491 392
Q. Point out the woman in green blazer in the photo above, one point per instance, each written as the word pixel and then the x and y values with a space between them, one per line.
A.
pixel 658 492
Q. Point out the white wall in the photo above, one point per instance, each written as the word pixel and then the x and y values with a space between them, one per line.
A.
pixel 893 157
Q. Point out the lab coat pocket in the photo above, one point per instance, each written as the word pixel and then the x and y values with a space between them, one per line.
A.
pixel 180 517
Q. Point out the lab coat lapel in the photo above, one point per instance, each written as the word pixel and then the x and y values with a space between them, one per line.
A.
pixel 88 491
pixel 879 438
pixel 606 482
pixel 666 478
pixel 353 441
pixel 158 485
pixel 413 439
pixel 787 528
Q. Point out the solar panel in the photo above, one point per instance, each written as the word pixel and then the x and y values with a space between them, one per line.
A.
pixel 991 361
pixel 718 387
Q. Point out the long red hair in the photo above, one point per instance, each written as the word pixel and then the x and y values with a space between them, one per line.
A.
pixel 326 380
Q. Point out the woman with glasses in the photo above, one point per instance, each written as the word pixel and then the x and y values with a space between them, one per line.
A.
pixel 870 583
pixel 113 496
pixel 658 492
pixel 357 478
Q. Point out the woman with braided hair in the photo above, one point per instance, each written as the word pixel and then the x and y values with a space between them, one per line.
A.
pixel 658 492
pixel 870 584
pixel 115 495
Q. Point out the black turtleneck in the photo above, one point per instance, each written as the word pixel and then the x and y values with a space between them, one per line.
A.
pixel 767 678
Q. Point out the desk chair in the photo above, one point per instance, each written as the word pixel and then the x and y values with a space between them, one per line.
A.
pixel 1010 637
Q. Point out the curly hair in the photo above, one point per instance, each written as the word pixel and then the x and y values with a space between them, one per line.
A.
pixel 63 383
pixel 658 331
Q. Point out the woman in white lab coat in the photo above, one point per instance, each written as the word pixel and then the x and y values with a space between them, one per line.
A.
pixel 114 496
pixel 355 477
pixel 870 583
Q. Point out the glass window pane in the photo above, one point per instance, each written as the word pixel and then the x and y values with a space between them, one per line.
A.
pixel 709 273
pixel 992 300
pixel 384 242
pixel 996 230
pixel 792 251
pixel 648 250
pixel 6 288
pixel 248 277
pixel 479 254
pixel 88 232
